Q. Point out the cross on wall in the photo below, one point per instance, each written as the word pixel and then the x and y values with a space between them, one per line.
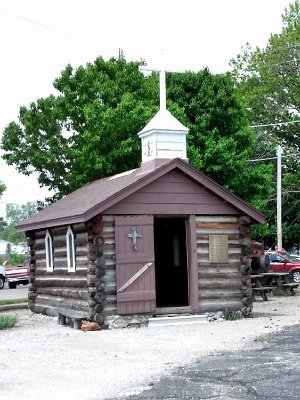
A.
pixel 134 236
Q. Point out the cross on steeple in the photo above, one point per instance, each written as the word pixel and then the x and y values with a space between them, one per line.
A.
pixel 164 137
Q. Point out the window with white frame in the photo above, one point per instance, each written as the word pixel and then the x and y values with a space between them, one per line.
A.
pixel 70 250
pixel 49 252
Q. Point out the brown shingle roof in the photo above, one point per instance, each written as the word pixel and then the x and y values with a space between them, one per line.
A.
pixel 97 196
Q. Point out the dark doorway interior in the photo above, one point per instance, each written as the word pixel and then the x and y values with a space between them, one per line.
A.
pixel 170 262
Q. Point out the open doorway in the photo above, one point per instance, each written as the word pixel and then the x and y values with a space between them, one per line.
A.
pixel 171 274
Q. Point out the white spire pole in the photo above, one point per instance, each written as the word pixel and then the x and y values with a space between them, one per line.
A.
pixel 162 89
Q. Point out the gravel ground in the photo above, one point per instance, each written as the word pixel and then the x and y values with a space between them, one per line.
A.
pixel 41 360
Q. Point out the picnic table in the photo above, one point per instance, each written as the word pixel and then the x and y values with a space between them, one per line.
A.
pixel 276 282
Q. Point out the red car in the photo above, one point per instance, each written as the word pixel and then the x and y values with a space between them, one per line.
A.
pixel 283 263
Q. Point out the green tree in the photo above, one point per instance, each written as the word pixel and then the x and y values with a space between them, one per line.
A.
pixel 15 214
pixel 86 132
pixel 268 83
pixel 2 188
pixel 220 140
pixel 89 130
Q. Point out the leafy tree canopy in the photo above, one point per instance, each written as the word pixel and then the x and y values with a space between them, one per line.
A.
pixel 15 214
pixel 268 83
pixel 89 130
pixel 2 188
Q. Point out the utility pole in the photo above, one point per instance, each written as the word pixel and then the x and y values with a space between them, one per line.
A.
pixel 279 212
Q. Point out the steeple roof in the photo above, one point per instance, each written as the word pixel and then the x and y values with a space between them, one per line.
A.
pixel 164 121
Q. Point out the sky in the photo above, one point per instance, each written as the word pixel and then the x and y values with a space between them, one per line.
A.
pixel 40 37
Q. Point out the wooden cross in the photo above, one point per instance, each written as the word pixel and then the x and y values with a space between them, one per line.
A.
pixel 134 235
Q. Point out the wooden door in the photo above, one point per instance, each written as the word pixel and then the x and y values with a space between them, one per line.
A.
pixel 135 264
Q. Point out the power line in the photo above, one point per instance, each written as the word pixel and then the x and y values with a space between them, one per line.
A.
pixel 275 124
pixel 273 158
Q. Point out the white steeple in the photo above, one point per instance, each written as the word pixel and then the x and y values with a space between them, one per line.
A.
pixel 164 137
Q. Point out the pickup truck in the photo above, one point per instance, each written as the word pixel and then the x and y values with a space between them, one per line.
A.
pixel 17 274
pixel 2 277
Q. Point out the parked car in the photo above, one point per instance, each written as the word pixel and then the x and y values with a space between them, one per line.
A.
pixel 288 255
pixel 283 263
pixel 17 274
pixel 2 277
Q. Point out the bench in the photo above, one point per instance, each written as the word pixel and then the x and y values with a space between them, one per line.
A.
pixel 66 315
pixel 291 286
pixel 263 291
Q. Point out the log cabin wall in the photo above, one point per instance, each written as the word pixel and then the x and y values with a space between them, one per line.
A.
pixel 92 287
pixel 219 283
pixel 59 288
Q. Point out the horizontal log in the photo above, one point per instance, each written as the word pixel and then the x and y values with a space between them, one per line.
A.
pixel 40 234
pixel 232 259
pixel 110 299
pixel 72 293
pixel 109 310
pixel 64 281
pixel 56 303
pixel 41 309
pixel 218 305
pixel 224 284
pixel 81 239
pixel 38 246
pixel 217 225
pixel 203 236
pixel 211 270
pixel 61 272
pixel 110 288
pixel 219 294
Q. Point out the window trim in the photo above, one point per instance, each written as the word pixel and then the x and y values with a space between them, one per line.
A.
pixel 70 250
pixel 49 252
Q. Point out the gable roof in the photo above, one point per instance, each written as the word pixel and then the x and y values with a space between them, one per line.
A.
pixel 97 196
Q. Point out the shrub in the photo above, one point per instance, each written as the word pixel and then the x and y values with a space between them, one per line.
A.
pixel 7 321
pixel 231 314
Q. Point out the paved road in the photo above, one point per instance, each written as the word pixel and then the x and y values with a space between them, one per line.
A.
pixel 272 373
pixel 20 292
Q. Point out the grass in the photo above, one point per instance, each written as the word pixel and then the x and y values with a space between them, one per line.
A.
pixel 7 321
pixel 14 301
pixel 231 314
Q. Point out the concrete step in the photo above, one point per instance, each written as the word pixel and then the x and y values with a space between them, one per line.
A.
pixel 178 320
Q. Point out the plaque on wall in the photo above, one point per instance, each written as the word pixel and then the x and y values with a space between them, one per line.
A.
pixel 218 248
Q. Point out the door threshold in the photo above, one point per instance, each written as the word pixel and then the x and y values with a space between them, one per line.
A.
pixel 173 310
